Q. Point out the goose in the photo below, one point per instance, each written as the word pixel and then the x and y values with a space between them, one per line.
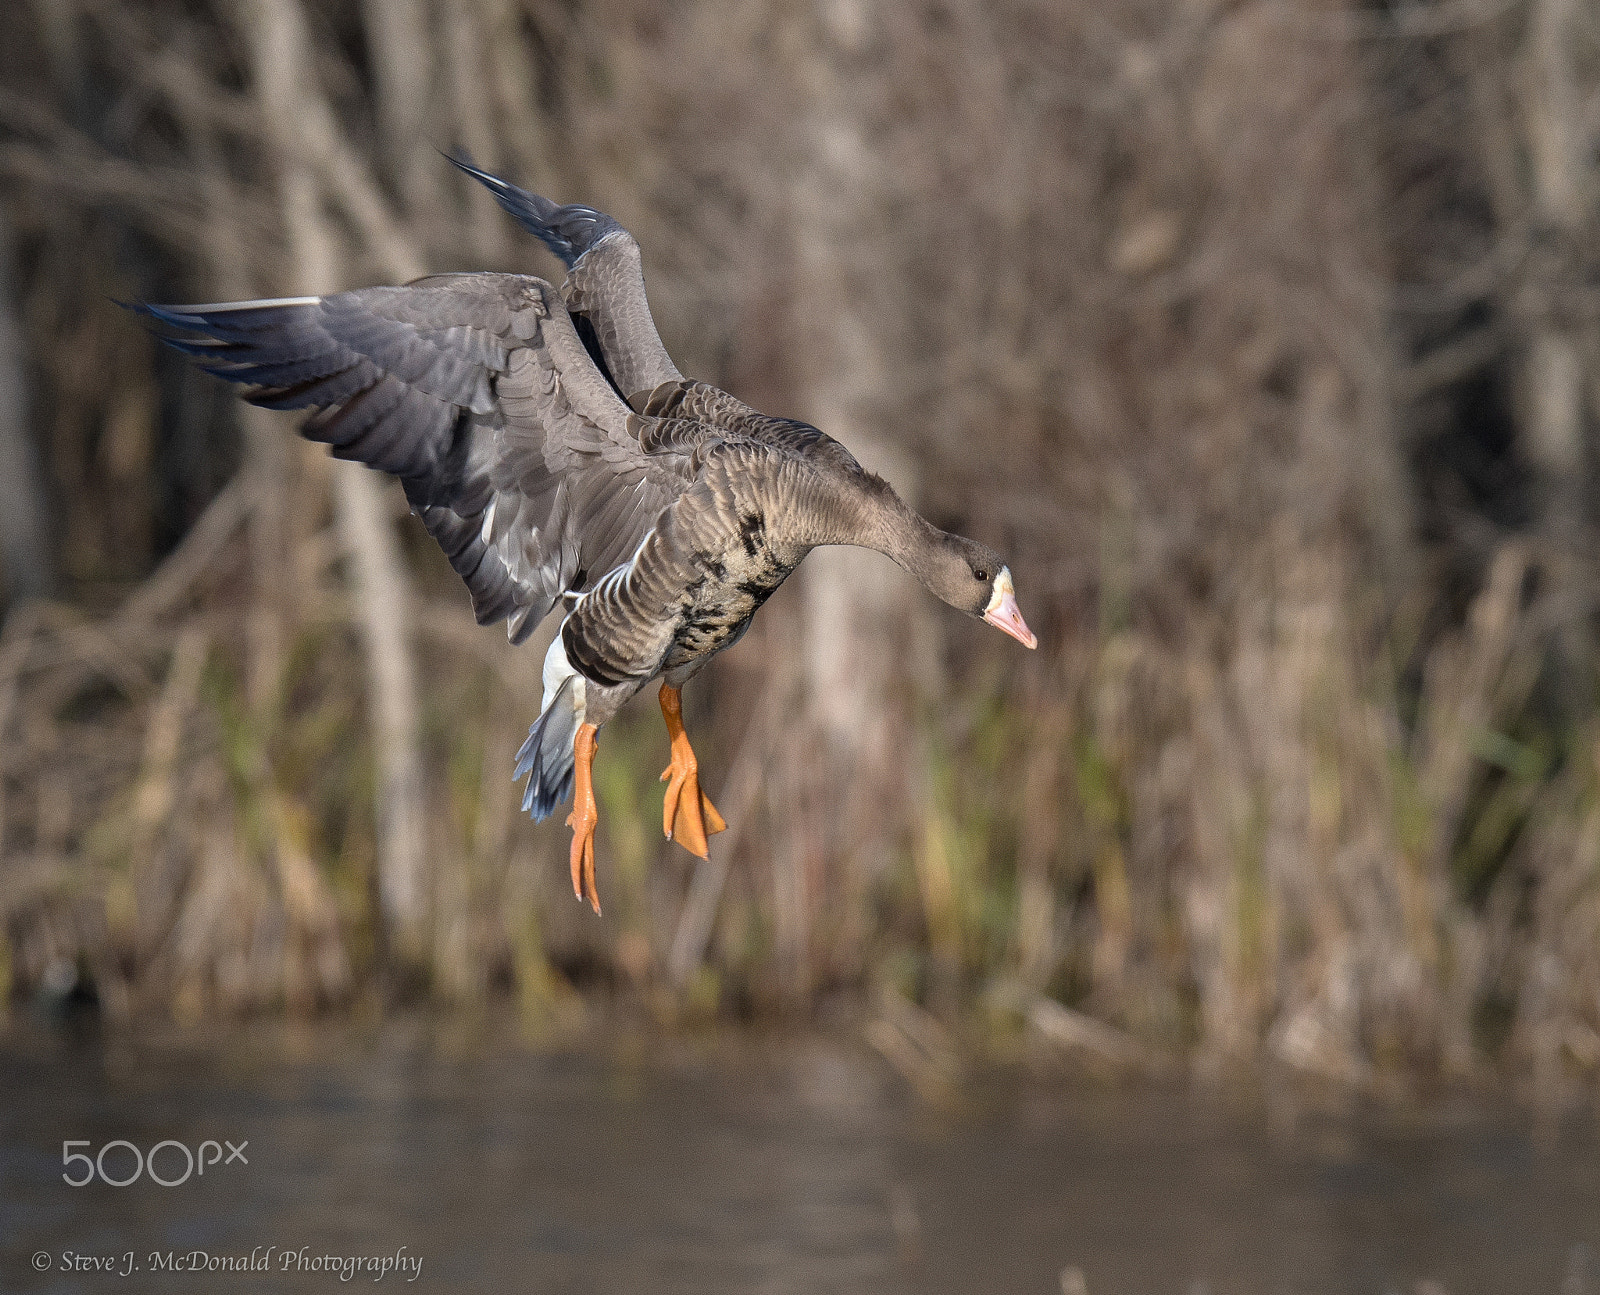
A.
pixel 554 451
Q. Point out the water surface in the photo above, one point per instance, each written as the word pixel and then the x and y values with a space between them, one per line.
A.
pixel 762 1164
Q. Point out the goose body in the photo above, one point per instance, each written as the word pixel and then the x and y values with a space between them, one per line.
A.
pixel 551 447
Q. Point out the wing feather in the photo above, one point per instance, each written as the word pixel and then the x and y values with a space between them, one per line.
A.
pixel 534 477
pixel 605 291
pixel 604 285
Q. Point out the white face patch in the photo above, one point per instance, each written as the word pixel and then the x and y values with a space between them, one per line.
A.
pixel 1003 588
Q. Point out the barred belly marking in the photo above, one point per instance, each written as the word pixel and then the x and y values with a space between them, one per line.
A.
pixel 719 611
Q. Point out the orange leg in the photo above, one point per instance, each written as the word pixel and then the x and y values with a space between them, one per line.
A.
pixel 687 815
pixel 585 815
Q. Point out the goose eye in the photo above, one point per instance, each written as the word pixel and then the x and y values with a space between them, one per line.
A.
pixel 981 574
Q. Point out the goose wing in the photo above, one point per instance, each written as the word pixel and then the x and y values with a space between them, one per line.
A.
pixel 476 391
pixel 604 290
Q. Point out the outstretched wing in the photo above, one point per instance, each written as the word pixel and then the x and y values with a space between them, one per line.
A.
pixel 604 290
pixel 474 390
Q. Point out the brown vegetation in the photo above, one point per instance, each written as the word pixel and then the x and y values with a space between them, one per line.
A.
pixel 1261 336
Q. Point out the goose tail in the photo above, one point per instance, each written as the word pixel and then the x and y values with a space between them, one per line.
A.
pixel 546 758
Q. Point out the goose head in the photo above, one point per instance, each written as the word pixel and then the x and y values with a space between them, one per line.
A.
pixel 975 579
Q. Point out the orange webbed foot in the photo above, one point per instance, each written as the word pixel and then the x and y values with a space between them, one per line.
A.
pixel 687 814
pixel 585 817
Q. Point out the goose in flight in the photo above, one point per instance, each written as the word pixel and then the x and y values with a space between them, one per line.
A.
pixel 554 451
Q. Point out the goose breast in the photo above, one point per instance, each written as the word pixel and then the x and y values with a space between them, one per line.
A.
pixel 709 564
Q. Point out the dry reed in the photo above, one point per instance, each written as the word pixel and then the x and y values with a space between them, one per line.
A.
pixel 1308 767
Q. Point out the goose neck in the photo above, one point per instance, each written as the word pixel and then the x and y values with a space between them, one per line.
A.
pixel 901 534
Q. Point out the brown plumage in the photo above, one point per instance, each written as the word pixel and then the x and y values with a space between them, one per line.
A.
pixel 555 452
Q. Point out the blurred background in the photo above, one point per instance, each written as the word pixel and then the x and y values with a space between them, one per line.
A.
pixel 1263 337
